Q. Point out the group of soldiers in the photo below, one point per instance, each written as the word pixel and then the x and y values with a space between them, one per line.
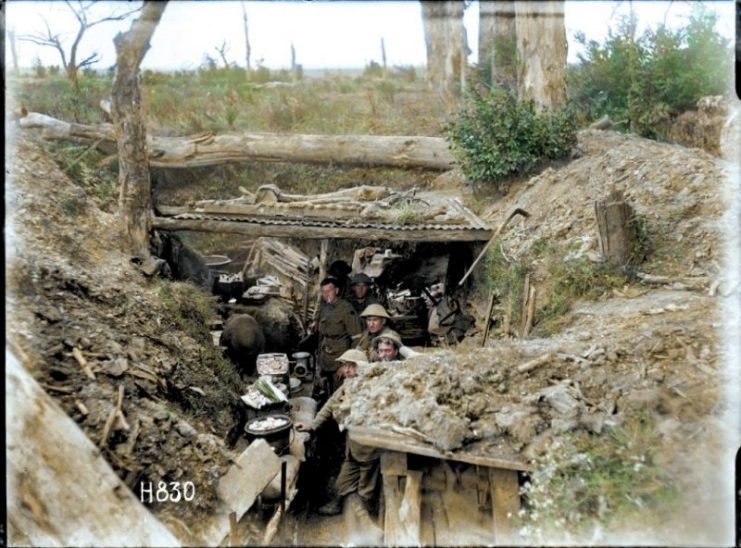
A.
pixel 358 322
pixel 351 331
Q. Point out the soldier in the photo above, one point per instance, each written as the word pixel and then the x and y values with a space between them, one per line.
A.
pixel 340 271
pixel 338 323
pixel 361 294
pixel 387 346
pixel 359 472
pixel 375 317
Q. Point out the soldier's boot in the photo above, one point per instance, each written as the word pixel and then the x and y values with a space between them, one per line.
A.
pixel 332 508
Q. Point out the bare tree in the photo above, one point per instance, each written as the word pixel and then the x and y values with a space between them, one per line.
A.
pixel 247 47
pixel 135 198
pixel 497 40
pixel 222 53
pixel 13 51
pixel 541 52
pixel 81 11
pixel 446 44
pixel 383 56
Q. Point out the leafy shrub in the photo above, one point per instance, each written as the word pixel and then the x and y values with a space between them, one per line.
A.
pixel 644 81
pixel 496 136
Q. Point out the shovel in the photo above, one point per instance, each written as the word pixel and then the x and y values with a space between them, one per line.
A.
pixel 516 211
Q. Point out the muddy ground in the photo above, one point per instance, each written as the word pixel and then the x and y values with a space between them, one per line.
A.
pixel 73 298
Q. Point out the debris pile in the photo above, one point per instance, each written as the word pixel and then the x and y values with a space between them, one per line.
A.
pixel 513 399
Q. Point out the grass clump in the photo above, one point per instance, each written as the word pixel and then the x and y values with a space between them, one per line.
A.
pixel 585 482
pixel 506 278
pixel 82 164
pixel 569 280
pixel 497 136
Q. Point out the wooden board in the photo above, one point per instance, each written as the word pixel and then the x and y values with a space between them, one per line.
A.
pixel 392 527
pixel 410 509
pixel 398 442
pixel 505 498
pixel 240 486
pixel 256 229
pixel 393 463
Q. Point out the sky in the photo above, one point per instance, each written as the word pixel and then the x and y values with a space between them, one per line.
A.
pixel 324 34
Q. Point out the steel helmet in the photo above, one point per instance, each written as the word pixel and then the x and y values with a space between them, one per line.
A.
pixel 375 310
pixel 390 335
pixel 354 355
pixel 361 278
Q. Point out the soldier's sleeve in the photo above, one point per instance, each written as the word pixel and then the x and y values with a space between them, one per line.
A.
pixel 328 408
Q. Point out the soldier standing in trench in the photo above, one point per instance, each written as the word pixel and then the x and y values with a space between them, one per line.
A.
pixel 361 296
pixel 359 471
pixel 338 323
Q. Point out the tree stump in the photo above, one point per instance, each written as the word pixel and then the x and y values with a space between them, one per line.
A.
pixel 617 235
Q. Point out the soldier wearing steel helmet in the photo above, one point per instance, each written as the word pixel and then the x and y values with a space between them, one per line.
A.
pixel 361 295
pixel 387 346
pixel 359 471
pixel 376 319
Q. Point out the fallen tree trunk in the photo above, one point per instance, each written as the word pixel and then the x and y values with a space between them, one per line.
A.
pixel 209 149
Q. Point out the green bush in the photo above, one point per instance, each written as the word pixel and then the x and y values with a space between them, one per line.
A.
pixel 496 136
pixel 643 81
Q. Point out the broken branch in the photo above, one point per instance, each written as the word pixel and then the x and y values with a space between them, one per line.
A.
pixel 535 363
pixel 77 353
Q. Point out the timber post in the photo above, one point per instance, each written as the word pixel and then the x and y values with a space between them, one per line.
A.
pixel 617 234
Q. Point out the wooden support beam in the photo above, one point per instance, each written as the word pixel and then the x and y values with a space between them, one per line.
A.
pixel 393 463
pixel 505 497
pixel 392 527
pixel 404 151
pixel 319 232
pixel 617 234
pixel 239 488
pixel 410 509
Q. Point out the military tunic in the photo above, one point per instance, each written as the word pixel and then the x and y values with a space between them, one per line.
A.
pixel 338 322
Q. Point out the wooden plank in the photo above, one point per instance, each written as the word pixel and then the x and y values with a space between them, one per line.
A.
pixel 248 476
pixel 505 497
pixel 410 509
pixel 393 463
pixel 240 486
pixel 392 528
pixel 399 442
pixel 319 232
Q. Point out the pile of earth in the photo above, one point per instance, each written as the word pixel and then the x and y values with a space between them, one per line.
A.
pixel 85 322
pixel 654 352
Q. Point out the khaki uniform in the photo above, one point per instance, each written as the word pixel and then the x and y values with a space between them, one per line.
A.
pixel 359 471
pixel 338 322
pixel 365 343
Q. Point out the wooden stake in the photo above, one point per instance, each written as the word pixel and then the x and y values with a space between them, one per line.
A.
pixel 115 412
pixel 523 309
pixel 77 353
pixel 489 310
pixel 530 312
